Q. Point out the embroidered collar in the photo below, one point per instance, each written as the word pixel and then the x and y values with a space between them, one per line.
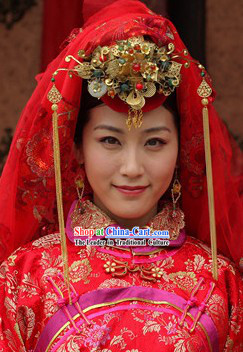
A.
pixel 94 218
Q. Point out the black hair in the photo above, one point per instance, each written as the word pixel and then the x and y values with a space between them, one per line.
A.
pixel 88 102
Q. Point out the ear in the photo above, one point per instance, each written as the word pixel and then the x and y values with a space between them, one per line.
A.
pixel 78 152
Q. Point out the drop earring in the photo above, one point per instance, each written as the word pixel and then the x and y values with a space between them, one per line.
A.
pixel 80 191
pixel 175 192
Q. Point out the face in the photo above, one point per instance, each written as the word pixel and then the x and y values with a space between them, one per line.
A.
pixel 129 171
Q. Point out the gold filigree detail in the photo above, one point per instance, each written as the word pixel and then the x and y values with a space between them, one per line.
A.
pixel 94 218
pixel 170 220
pixel 134 118
pixel 204 90
pixel 90 218
pixel 131 69
pixel 54 96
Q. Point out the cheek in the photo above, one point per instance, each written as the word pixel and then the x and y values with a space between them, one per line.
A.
pixel 162 168
pixel 97 162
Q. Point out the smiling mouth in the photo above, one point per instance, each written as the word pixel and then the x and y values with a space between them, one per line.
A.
pixel 131 190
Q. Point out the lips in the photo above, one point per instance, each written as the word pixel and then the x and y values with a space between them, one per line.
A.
pixel 131 190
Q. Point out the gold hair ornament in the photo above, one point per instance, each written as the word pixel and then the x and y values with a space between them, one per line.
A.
pixel 132 69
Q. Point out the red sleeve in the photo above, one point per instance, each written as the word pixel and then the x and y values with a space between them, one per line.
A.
pixel 10 336
pixel 234 342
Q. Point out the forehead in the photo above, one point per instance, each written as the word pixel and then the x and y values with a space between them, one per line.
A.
pixel 102 114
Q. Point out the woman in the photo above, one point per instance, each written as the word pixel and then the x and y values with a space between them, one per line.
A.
pixel 114 296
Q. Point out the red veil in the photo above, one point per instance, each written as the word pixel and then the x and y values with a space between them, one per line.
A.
pixel 27 186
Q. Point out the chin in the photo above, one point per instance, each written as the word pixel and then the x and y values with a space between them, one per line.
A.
pixel 126 214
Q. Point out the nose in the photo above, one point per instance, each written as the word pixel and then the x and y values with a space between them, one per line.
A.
pixel 132 163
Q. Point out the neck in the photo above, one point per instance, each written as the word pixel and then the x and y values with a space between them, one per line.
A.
pixel 126 222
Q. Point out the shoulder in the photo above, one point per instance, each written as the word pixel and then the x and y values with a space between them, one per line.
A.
pixel 29 257
pixel 200 254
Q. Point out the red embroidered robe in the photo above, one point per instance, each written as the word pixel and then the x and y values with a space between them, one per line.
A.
pixel 123 300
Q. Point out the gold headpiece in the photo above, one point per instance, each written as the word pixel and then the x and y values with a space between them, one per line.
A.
pixel 132 69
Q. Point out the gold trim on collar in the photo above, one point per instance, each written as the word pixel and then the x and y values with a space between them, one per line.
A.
pixel 94 218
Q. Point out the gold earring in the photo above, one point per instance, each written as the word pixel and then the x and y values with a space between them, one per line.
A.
pixel 175 192
pixel 80 191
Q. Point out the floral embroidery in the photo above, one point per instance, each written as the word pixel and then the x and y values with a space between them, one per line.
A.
pixel 80 270
pixel 196 264
pixel 120 340
pixel 11 260
pixel 35 158
pixel 109 283
pixel 10 307
pixel 97 335
pixel 216 307
pixel 184 280
pixel 50 263
pixel 47 241
pixel 29 287
pixel 26 321
pixel 150 326
pixel 50 304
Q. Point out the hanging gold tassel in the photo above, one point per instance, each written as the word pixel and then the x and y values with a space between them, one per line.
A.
pixel 135 118
pixel 58 180
pixel 210 189
pixel 204 91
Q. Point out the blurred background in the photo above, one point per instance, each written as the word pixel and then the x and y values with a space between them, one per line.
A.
pixel 31 32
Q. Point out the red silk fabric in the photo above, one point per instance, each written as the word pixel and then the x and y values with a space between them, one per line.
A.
pixel 59 19
pixel 27 185
pixel 38 303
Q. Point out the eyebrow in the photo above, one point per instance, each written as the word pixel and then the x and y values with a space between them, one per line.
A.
pixel 118 130
pixel 157 129
pixel 108 127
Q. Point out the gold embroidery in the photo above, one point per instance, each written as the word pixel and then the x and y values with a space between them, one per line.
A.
pixel 80 270
pixel 94 218
pixel 11 260
pixel 183 279
pixel 165 221
pixel 91 218
pixel 114 283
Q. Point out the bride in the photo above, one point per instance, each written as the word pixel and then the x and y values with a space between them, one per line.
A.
pixel 138 161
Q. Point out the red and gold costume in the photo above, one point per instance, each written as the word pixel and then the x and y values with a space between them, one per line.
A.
pixel 122 299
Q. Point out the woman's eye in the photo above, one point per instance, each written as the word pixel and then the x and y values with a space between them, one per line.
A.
pixel 110 140
pixel 155 142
